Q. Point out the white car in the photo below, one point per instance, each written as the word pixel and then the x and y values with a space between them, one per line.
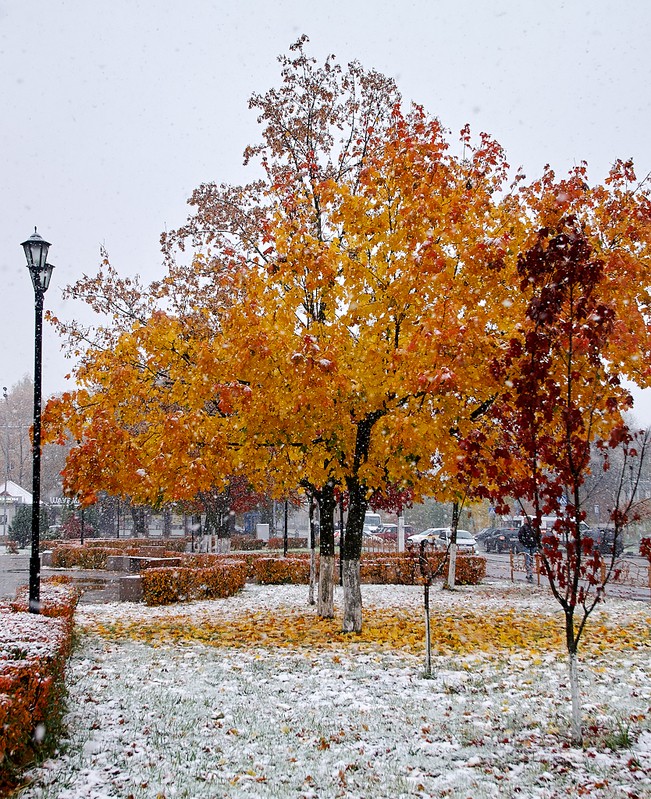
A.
pixel 439 538
pixel 416 538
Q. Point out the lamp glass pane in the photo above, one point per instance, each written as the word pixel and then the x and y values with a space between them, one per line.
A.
pixel 36 249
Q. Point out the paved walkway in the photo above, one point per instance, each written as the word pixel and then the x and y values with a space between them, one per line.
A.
pixel 14 571
pixel 97 586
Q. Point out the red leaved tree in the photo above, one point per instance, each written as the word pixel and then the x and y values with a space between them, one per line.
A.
pixel 563 397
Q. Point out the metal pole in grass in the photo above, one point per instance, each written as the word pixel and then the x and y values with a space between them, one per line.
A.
pixel 425 571
pixel 428 637
pixel 36 249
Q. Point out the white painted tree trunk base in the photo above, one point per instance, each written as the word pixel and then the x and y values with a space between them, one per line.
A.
pixel 326 604
pixel 576 732
pixel 452 567
pixel 352 597
pixel 310 598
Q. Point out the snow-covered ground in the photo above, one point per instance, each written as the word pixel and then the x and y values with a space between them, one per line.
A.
pixel 170 702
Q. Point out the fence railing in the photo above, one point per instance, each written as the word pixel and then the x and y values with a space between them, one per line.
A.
pixel 627 572
pixel 381 546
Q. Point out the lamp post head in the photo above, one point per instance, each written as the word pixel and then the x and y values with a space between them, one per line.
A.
pixel 36 249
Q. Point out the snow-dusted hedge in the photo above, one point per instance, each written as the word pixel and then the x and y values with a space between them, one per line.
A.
pixel 165 585
pixel 403 568
pixel 91 556
pixel 292 543
pixel 125 546
pixel 250 559
pixel 244 543
pixel 33 653
pixel 278 571
pixel 82 557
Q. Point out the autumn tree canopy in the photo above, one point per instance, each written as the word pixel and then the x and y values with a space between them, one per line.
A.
pixel 584 281
pixel 337 321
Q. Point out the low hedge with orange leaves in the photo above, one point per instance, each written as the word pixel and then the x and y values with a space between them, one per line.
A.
pixel 81 557
pixel 123 546
pixel 244 543
pixel 33 653
pixel 277 571
pixel 278 542
pixel 405 568
pixel 401 568
pixel 250 559
pixel 166 585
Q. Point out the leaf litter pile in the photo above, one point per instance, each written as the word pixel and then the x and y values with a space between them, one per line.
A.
pixel 254 696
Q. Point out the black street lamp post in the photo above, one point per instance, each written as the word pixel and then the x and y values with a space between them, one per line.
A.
pixel 36 249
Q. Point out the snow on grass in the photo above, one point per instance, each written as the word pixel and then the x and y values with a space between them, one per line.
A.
pixel 190 719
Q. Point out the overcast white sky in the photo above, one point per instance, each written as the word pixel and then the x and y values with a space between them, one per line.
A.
pixel 114 110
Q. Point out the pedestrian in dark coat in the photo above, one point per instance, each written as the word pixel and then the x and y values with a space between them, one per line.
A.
pixel 529 540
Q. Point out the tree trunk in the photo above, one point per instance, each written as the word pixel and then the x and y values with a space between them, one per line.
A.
pixel 452 566
pixel 352 552
pixel 576 732
pixel 312 552
pixel 357 505
pixel 167 522
pixel 138 516
pixel 285 527
pixel 352 597
pixel 327 505
pixel 571 643
pixel 452 551
pixel 326 605
pixel 342 536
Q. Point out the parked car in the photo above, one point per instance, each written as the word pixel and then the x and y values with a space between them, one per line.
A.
pixel 439 538
pixel 389 532
pixel 604 540
pixel 484 533
pixel 416 538
pixel 503 539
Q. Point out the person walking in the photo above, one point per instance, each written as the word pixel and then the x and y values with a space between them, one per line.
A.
pixel 529 541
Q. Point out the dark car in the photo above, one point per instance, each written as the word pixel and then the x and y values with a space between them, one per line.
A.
pixel 485 532
pixel 604 540
pixel 503 539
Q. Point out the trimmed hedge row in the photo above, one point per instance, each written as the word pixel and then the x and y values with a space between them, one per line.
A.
pixel 33 653
pixel 250 559
pixel 165 585
pixel 206 575
pixel 67 557
pixel 278 571
pixel 82 557
pixel 405 568
pixel 124 546
pixel 292 543
pixel 391 569
pixel 244 543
